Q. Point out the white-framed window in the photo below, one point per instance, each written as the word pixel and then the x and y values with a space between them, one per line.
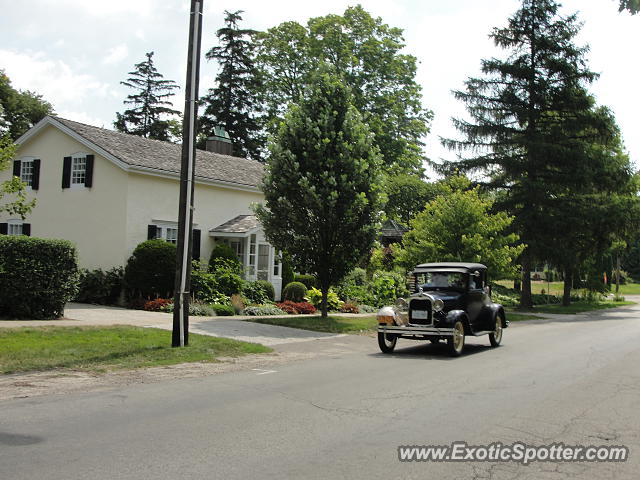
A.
pixel 168 233
pixel 78 170
pixel 15 227
pixel 26 171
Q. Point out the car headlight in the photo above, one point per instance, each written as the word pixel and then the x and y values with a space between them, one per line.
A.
pixel 438 305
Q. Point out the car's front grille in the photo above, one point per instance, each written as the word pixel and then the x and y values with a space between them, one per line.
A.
pixel 420 312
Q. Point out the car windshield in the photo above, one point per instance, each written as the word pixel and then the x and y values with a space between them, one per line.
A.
pixel 441 280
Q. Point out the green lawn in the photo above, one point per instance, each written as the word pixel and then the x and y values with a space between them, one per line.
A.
pixel 578 307
pixel 518 317
pixel 329 324
pixel 556 288
pixel 99 348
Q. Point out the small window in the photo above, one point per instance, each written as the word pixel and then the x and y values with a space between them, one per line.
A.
pixel 26 172
pixel 15 229
pixel 169 234
pixel 79 170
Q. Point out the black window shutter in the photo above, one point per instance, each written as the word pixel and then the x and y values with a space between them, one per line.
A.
pixel 195 250
pixel 26 229
pixel 17 167
pixel 152 232
pixel 4 228
pixel 35 182
pixel 66 172
pixel 88 179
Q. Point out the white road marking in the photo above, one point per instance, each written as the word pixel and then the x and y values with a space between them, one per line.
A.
pixel 263 372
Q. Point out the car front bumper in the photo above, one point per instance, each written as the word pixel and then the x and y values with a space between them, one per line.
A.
pixel 416 330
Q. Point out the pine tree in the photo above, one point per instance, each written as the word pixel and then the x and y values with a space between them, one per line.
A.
pixel 233 102
pixel 531 117
pixel 148 117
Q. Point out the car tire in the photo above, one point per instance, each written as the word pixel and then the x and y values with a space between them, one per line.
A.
pixel 387 342
pixel 495 337
pixel 455 343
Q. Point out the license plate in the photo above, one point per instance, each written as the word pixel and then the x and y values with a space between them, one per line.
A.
pixel 420 314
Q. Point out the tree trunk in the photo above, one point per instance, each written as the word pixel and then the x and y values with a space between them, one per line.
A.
pixel 568 283
pixel 618 274
pixel 525 293
pixel 517 284
pixel 324 307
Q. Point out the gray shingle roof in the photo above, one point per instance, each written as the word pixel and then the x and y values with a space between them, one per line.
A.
pixel 165 156
pixel 239 224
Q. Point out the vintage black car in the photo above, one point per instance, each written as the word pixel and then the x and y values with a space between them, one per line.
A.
pixel 451 300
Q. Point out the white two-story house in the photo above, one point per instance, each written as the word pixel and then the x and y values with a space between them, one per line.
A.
pixel 108 191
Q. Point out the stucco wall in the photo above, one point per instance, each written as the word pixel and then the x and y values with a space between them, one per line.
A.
pixel 92 218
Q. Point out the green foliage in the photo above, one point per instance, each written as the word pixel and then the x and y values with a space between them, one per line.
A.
pixel 37 277
pixel 288 274
pixel 353 286
pixel 99 286
pixel 234 103
pixel 19 109
pixel 228 281
pixel 631 6
pixel 322 189
pixel 407 195
pixel 14 186
pixel 368 55
pixel 258 292
pixel 386 288
pixel 223 310
pixel 267 288
pixel 151 269
pixel 294 291
pixel 333 301
pixel 458 226
pixel 223 252
pixel 196 309
pixel 263 310
pixel 309 281
pixel 148 116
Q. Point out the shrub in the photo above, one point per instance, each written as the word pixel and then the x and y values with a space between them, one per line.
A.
pixel 386 287
pixel 260 310
pixel 100 287
pixel 268 289
pixel 223 310
pixel 157 305
pixel 304 307
pixel 349 307
pixel 333 302
pixel 294 291
pixel 151 270
pixel 223 253
pixel 255 292
pixel 237 302
pixel 288 274
pixel 309 281
pixel 353 286
pixel 228 282
pixel 37 277
pixel 196 309
pixel 367 308
pixel 288 307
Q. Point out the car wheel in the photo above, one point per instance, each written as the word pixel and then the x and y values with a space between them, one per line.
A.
pixel 387 342
pixel 495 337
pixel 456 341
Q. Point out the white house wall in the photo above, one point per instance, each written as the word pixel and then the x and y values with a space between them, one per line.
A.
pixel 92 218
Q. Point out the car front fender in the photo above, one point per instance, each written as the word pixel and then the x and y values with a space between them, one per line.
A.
pixel 458 315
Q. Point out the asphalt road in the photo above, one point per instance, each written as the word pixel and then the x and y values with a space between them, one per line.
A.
pixel 344 413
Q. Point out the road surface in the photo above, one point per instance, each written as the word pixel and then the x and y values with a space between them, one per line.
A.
pixel 343 413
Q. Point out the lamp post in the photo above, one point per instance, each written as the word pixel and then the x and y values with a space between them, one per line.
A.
pixel 180 336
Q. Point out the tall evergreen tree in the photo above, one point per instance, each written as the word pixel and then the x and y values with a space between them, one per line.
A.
pixel 149 116
pixel 531 118
pixel 233 103
pixel 322 187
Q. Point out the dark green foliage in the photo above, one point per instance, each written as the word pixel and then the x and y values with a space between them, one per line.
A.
pixel 14 187
pixel 234 103
pixel 37 277
pixel 151 270
pixel 99 286
pixel 308 280
pixel 288 275
pixel 322 187
pixel 368 54
pixel 149 116
pixel 204 286
pixel 222 252
pixel 407 195
pixel 267 288
pixel 632 6
pixel 19 109
pixel 255 293
pixel 294 291
pixel 227 275
pixel 222 310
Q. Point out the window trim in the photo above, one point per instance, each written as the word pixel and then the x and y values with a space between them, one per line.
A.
pixel 74 156
pixel 23 160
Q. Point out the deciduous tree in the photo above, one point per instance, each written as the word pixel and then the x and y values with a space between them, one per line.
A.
pixel 19 109
pixel 14 187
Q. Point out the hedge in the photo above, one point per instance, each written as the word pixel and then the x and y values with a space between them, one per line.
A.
pixel 151 270
pixel 37 277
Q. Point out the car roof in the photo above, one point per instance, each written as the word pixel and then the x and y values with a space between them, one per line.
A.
pixel 449 266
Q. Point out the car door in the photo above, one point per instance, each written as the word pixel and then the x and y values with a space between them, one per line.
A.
pixel 476 297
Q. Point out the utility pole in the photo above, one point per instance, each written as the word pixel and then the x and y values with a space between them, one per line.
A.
pixel 180 336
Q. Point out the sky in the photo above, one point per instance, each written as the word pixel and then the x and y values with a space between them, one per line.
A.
pixel 75 52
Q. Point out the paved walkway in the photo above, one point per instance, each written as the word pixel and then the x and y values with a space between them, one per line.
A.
pixel 77 314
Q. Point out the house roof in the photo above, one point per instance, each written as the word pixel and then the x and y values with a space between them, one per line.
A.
pixel 140 154
pixel 239 224
pixel 391 228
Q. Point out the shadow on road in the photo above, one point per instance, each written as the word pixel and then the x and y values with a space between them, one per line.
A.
pixel 429 351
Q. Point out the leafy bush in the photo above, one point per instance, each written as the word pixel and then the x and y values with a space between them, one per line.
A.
pixel 349 307
pixel 256 292
pixel 386 287
pixel 223 254
pixel 367 308
pixel 223 310
pixel 333 302
pixel 151 270
pixel 309 281
pixel 196 309
pixel 37 276
pixel 288 274
pixel 260 310
pixel 268 289
pixel 295 308
pixel 294 291
pixel 100 287
pixel 237 302
pixel 227 280
pixel 157 305
pixel 354 286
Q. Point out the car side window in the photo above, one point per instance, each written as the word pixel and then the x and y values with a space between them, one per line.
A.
pixel 477 282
